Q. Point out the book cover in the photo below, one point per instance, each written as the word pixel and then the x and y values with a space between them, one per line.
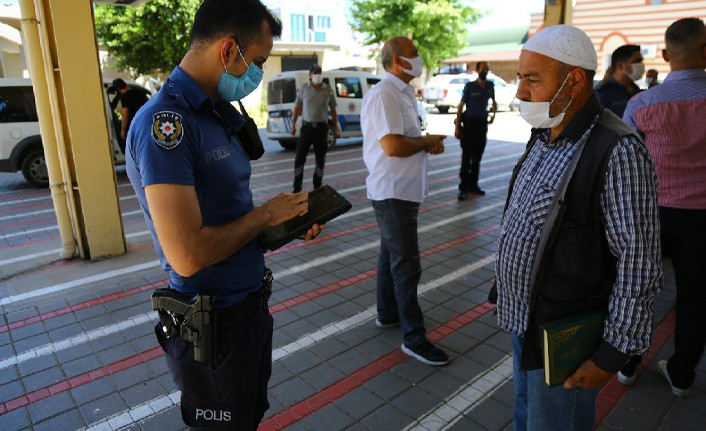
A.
pixel 569 341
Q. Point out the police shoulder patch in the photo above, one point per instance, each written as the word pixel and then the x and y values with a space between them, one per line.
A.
pixel 167 129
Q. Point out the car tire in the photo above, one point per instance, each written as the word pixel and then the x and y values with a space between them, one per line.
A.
pixel 288 144
pixel 330 139
pixel 34 168
pixel 443 109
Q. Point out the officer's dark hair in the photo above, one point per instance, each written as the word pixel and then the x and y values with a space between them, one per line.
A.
pixel 623 54
pixel 478 65
pixel 683 37
pixel 241 20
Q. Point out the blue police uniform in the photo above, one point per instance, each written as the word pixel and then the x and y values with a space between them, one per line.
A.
pixel 615 97
pixel 183 137
pixel 474 134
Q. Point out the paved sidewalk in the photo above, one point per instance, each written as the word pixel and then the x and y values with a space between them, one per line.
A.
pixel 77 347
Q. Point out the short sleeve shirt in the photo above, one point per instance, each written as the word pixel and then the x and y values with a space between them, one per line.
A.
pixel 476 99
pixel 390 108
pixel 315 102
pixel 181 136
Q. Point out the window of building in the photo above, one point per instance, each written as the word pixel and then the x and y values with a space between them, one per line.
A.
pixel 319 36
pixel 348 87
pixel 298 26
pixel 323 22
pixel 656 1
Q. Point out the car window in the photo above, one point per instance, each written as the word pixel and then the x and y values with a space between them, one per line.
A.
pixel 348 87
pixel 372 82
pixel 459 81
pixel 17 105
pixel 281 91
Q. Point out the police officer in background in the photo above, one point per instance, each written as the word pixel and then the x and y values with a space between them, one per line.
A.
pixel 191 176
pixel 314 100
pixel 628 67
pixel 473 133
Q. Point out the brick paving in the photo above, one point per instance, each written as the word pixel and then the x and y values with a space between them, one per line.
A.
pixel 77 348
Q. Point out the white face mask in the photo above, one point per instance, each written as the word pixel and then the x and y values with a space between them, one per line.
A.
pixel 317 78
pixel 537 113
pixel 638 69
pixel 417 65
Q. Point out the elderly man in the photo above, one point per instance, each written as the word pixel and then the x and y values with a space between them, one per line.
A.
pixel 191 174
pixel 671 120
pixel 580 231
pixel 395 153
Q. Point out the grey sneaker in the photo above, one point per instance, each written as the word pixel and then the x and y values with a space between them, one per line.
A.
pixel 626 380
pixel 681 393
pixel 380 324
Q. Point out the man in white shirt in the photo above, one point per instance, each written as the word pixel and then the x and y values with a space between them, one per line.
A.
pixel 395 153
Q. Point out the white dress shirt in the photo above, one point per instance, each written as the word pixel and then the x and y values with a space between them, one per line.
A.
pixel 390 108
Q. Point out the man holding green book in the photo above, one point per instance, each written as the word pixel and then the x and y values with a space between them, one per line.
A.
pixel 580 232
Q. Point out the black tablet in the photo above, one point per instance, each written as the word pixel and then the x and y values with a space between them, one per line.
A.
pixel 325 204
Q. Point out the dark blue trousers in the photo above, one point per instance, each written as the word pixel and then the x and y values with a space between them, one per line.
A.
pixel 399 268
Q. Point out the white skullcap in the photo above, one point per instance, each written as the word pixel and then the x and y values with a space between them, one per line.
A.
pixel 565 43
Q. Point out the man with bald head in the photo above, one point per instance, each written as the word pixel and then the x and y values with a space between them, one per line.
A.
pixel 579 233
pixel 671 120
pixel 395 153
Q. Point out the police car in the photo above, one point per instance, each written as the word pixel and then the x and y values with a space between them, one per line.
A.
pixel 348 87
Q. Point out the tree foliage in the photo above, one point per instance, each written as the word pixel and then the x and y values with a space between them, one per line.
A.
pixel 152 37
pixel 437 27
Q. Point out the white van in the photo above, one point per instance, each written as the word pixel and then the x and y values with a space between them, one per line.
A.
pixel 20 140
pixel 348 86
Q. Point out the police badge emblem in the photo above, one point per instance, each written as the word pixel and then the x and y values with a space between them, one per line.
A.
pixel 167 129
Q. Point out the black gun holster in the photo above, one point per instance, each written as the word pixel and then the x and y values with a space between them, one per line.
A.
pixel 191 319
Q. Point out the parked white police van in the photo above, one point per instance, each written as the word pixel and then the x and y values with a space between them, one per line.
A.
pixel 348 86
pixel 20 140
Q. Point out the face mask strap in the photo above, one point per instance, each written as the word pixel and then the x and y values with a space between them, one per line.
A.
pixel 241 55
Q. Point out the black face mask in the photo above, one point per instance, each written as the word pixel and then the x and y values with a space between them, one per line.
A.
pixel 482 75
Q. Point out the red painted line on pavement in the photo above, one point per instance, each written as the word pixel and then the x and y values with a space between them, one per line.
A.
pixel 81 379
pixel 613 392
pixel 364 374
pixel 80 306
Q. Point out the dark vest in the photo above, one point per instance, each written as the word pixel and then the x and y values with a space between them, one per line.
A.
pixel 577 270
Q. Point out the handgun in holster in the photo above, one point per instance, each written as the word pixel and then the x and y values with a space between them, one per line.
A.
pixel 191 319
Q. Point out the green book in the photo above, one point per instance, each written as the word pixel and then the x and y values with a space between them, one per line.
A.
pixel 568 342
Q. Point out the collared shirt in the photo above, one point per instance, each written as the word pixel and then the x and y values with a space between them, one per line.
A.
pixel 180 136
pixel 671 117
pixel 390 108
pixel 628 206
pixel 615 97
pixel 476 98
pixel 315 102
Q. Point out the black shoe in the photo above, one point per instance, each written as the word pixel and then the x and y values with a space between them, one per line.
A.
pixel 462 196
pixel 477 191
pixel 427 353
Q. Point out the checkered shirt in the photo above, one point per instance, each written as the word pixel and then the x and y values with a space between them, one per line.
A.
pixel 628 205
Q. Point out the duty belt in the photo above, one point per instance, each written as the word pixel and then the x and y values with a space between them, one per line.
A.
pixel 316 124
pixel 195 319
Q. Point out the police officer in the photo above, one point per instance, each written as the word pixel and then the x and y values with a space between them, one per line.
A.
pixel 475 97
pixel 313 102
pixel 191 176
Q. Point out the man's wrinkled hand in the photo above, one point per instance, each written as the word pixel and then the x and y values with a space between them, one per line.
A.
pixel 587 376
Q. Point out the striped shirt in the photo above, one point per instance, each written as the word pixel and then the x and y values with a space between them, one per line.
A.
pixel 628 205
pixel 671 117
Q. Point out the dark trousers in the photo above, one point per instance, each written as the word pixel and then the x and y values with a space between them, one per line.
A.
pixel 310 134
pixel 473 140
pixel 233 396
pixel 399 268
pixel 684 239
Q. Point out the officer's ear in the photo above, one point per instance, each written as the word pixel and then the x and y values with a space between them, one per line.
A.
pixel 228 48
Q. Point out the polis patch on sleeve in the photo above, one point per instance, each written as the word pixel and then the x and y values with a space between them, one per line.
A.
pixel 167 129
